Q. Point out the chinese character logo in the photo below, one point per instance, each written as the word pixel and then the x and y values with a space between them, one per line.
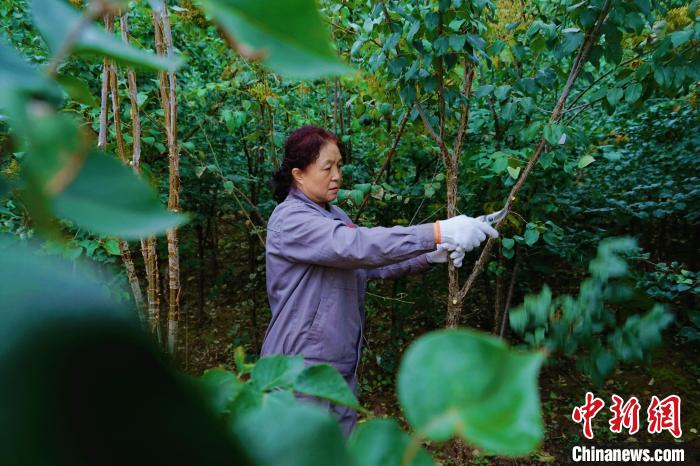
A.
pixel 626 415
pixel 665 415
pixel 587 412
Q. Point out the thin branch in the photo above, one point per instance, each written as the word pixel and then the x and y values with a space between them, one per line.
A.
pixel 443 148
pixel 603 76
pixel 468 78
pixel 389 156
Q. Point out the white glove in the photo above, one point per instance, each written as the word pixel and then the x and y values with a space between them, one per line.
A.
pixel 465 232
pixel 439 256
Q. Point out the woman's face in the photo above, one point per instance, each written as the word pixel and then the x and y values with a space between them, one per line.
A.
pixel 320 181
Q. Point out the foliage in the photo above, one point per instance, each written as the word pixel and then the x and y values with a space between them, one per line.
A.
pixel 584 325
pixel 623 160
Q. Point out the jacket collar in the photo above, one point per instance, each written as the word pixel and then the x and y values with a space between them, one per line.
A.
pixel 332 211
pixel 297 193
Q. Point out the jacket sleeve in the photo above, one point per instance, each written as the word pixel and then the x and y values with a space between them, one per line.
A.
pixel 407 267
pixel 303 236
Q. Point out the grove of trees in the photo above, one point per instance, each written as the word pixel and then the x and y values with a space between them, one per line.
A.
pixel 137 139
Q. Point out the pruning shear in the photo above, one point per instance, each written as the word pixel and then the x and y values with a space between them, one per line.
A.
pixel 494 217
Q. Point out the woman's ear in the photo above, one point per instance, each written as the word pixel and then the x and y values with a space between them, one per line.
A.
pixel 297 175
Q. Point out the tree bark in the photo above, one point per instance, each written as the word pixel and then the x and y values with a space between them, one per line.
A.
pixel 164 46
pixel 109 86
pixel 148 245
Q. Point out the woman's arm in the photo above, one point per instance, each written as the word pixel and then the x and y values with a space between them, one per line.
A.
pixel 303 236
pixel 407 267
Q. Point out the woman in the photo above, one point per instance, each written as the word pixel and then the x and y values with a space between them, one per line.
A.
pixel 318 262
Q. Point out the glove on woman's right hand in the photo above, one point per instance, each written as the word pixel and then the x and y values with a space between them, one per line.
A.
pixel 465 232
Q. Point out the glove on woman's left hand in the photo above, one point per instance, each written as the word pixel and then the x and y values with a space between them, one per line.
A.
pixel 439 256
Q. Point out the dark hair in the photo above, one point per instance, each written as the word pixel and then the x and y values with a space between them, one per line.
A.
pixel 301 149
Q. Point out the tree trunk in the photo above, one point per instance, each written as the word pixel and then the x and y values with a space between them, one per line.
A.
pixel 148 245
pixel 110 87
pixel 164 46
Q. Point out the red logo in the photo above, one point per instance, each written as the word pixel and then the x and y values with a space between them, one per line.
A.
pixel 661 414
pixel 665 415
pixel 626 415
pixel 587 412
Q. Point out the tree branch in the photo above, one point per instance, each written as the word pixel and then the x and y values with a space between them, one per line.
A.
pixel 576 68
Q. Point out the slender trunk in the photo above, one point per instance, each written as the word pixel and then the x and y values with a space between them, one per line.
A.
pixel 498 301
pixel 133 280
pixel 202 272
pixel 109 86
pixel 454 303
pixel 148 245
pixel 253 266
pixel 164 46
pixel 511 288
pixel 348 146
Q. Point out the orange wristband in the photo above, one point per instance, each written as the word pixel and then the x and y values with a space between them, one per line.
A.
pixel 436 232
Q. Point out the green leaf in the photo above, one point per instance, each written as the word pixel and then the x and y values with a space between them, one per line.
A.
pixel 514 172
pixel 455 24
pixel 356 196
pixel 291 34
pixel 223 387
pixel 531 236
pixel 614 95
pixel 112 247
pixel 77 89
pixel 381 442
pixel 483 91
pixel 228 186
pixel 276 371
pixel 633 93
pixel 479 389
pixel 476 41
pixel 679 38
pixel 585 161
pixel 364 188
pixel 457 41
pixel 500 163
pixel 324 381
pixel 571 41
pixel 501 92
pixel 56 20
pixel 552 133
pixel 18 76
pixel 297 435
pixel 508 243
pixel 107 198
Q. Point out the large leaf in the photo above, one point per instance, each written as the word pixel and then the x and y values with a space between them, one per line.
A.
pixel 55 19
pixel 296 435
pixel 479 390
pixel 223 386
pixel 290 34
pixel 40 285
pixel 107 198
pixel 77 89
pixel 324 381
pixel 72 359
pixel 381 442
pixel 18 76
pixel 276 371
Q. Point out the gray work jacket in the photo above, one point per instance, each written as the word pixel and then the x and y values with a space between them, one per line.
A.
pixel 318 264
